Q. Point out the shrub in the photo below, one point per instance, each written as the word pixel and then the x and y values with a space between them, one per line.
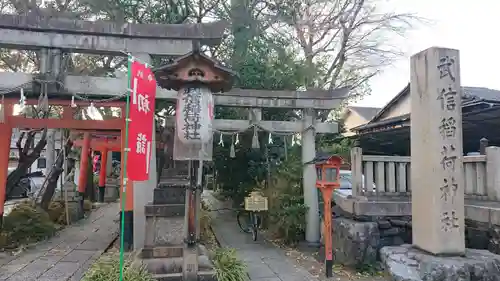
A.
pixel 228 267
pixel 26 224
pixel 287 211
pixel 57 212
pixel 109 270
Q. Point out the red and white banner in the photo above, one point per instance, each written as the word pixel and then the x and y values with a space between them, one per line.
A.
pixel 141 115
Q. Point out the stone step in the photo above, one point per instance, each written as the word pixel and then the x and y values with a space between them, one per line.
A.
pixel 169 195
pixel 205 275
pixel 164 210
pixel 162 252
pixel 174 173
pixel 175 181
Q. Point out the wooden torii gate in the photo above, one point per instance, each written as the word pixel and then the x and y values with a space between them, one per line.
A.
pixel 23 31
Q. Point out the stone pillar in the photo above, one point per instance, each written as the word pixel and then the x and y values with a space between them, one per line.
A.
pixel 357 171
pixel 483 144
pixel 309 178
pixel 44 60
pixel 50 150
pixel 143 191
pixel 437 154
pixel 56 58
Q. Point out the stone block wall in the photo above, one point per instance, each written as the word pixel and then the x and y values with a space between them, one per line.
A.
pixel 358 240
pixel 480 235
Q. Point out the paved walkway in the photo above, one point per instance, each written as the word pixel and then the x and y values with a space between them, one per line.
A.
pixel 69 254
pixel 265 262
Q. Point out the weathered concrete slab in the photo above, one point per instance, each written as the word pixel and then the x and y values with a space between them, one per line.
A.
pixel 68 255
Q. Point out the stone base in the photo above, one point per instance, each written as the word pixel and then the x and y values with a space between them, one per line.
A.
pixel 170 268
pixel 111 193
pixel 354 243
pixel 406 263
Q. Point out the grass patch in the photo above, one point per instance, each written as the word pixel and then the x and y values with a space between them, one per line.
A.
pixel 368 270
pixel 228 267
pixel 108 269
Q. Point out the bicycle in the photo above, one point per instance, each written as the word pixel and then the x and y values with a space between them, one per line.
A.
pixel 249 222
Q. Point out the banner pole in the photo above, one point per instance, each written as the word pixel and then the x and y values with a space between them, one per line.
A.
pixel 124 172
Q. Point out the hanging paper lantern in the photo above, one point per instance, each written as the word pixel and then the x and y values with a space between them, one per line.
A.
pixel 194 115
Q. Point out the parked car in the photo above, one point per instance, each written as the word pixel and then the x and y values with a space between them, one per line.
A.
pixel 346 182
pixel 345 187
pixel 28 184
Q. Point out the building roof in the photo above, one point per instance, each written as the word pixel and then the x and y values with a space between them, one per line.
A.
pixel 366 112
pixel 391 103
pixel 470 94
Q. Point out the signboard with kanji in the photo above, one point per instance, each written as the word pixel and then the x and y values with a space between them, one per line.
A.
pixel 141 116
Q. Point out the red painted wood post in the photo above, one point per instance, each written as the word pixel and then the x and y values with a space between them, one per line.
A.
pixel 327 201
pixel 102 174
pixel 84 162
pixel 5 139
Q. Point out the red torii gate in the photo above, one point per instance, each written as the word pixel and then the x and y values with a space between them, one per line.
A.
pixel 102 141
pixel 66 122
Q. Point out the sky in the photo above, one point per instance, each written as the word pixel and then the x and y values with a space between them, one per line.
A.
pixel 470 27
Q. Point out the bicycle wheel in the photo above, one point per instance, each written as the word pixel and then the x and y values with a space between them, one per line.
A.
pixel 242 217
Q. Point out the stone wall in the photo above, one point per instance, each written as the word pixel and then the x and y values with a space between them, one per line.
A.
pixel 358 240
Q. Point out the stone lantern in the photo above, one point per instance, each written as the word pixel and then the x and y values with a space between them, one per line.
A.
pixel 195 77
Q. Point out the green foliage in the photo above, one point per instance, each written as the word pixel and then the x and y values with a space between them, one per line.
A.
pixel 341 147
pixel 228 267
pixel 108 269
pixel 57 212
pixel 25 224
pixel 287 213
pixel 262 68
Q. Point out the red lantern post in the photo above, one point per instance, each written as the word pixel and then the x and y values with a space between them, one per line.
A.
pixel 327 179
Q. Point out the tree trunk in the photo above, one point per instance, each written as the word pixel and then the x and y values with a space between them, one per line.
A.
pixel 14 178
pixel 53 177
pixel 27 156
